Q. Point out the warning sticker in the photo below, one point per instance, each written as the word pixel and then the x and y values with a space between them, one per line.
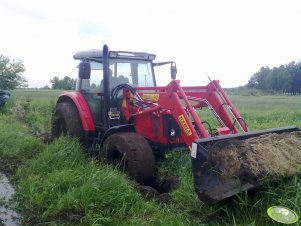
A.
pixel 150 96
pixel 185 125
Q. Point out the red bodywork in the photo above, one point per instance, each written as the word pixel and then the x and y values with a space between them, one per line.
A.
pixel 146 113
pixel 82 107
pixel 177 101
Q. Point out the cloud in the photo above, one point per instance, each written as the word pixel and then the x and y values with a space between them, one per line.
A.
pixel 22 10
pixel 228 40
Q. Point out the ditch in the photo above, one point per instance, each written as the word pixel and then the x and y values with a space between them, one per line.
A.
pixel 8 216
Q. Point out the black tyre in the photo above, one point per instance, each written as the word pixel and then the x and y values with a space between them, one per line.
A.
pixel 134 155
pixel 66 120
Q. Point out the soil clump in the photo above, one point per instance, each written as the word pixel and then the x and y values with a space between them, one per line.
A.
pixel 259 159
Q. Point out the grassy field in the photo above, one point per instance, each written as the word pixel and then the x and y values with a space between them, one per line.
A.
pixel 57 184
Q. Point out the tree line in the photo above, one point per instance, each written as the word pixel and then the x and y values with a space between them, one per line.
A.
pixel 286 78
pixel 11 76
pixel 66 83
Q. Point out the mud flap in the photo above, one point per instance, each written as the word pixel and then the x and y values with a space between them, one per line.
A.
pixel 208 184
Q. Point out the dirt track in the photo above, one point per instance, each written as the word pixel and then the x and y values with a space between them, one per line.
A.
pixel 264 158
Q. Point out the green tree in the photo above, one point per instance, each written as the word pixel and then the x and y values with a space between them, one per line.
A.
pixel 11 73
pixel 286 78
pixel 260 79
pixel 66 83
pixel 55 82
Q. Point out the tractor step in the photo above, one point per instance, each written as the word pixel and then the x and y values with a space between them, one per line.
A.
pixel 209 184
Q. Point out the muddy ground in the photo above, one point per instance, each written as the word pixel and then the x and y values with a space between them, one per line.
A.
pixel 161 188
pixel 264 158
pixel 8 216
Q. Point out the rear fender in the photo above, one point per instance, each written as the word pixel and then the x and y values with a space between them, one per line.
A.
pixel 82 107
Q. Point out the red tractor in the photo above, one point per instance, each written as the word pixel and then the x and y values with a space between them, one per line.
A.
pixel 118 109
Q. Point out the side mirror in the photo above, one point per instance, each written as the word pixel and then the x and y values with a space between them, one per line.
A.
pixel 84 70
pixel 173 71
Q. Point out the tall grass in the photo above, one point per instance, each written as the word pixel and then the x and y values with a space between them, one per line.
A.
pixel 57 184
pixel 34 108
pixel 16 144
pixel 60 185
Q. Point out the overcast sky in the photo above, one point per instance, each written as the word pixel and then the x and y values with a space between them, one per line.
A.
pixel 227 40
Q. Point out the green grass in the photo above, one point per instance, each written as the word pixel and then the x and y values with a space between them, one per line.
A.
pixel 57 184
pixel 269 111
pixel 263 112
pixel 16 144
pixel 34 108
pixel 60 185
pixel 36 94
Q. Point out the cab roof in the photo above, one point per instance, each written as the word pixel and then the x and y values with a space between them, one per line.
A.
pixel 96 53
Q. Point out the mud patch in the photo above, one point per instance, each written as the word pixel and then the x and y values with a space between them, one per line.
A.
pixel 160 189
pixel 258 159
pixel 46 138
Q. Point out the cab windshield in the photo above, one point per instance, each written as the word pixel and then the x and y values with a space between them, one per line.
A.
pixel 133 72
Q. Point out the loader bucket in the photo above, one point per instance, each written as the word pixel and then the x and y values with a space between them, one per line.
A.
pixel 209 182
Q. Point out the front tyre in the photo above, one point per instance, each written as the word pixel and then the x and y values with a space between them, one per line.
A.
pixel 66 120
pixel 133 153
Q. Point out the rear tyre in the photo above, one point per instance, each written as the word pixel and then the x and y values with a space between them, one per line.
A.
pixel 133 154
pixel 66 120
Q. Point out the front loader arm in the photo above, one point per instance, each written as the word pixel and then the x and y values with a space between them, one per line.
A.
pixel 182 111
pixel 177 101
pixel 181 116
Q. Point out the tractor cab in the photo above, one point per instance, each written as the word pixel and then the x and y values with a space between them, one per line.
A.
pixel 100 71
pixel 133 68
